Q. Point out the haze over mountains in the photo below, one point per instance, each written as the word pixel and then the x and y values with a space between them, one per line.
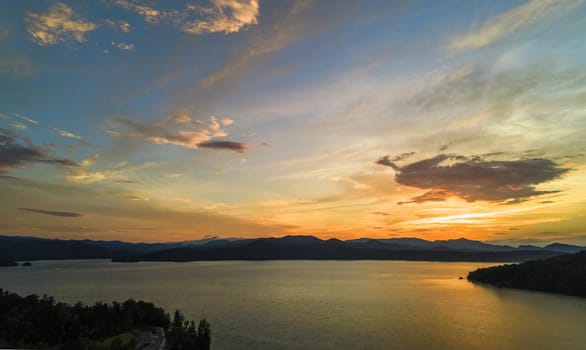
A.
pixel 14 248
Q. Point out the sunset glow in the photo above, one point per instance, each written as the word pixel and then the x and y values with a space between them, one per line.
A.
pixel 167 121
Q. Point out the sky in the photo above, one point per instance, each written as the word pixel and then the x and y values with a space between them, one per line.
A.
pixel 144 120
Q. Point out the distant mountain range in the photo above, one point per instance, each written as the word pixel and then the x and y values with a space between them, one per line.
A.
pixel 15 248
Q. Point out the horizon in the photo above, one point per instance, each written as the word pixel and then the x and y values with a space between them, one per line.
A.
pixel 214 238
pixel 151 122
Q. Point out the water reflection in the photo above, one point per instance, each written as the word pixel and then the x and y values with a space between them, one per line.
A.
pixel 325 305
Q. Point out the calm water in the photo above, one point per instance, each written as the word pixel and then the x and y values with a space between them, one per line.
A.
pixel 324 305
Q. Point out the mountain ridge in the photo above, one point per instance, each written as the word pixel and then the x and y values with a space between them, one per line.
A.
pixel 17 248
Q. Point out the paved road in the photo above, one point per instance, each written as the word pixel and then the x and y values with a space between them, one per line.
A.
pixel 152 338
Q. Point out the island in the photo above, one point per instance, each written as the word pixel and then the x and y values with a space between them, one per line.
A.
pixel 41 322
pixel 564 274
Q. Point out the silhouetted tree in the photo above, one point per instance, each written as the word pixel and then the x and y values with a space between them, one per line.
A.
pixel 565 274
pixel 41 322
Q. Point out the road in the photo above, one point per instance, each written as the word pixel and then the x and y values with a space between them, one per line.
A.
pixel 152 338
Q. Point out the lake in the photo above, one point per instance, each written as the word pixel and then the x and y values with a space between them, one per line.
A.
pixel 324 304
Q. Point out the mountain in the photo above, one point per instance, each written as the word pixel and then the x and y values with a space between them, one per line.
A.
pixel 565 274
pixel 289 247
pixel 467 244
pixel 529 247
pixel 152 247
pixel 312 248
pixel 564 248
pixel 457 244
pixel 32 248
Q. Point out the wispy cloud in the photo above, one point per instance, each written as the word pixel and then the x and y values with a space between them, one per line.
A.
pixel 282 34
pixel 183 131
pixel 509 22
pixel 64 214
pixel 59 24
pixel 19 125
pixel 119 173
pixel 67 134
pixel 27 119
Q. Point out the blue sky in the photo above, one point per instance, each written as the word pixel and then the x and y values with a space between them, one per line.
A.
pixel 173 120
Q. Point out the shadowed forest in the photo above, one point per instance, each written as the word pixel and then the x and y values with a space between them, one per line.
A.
pixel 564 274
pixel 42 322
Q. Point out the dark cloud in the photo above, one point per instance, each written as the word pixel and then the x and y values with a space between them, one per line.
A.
pixel 475 178
pixel 65 214
pixel 387 161
pixel 225 145
pixel 435 195
pixel 390 161
pixel 380 213
pixel 15 153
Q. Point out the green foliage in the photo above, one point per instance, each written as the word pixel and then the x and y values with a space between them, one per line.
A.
pixel 41 322
pixel 565 274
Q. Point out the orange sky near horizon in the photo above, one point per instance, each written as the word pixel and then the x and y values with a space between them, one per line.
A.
pixel 243 118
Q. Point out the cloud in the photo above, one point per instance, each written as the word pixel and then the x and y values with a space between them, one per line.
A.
pixel 289 29
pixel 224 16
pixel 15 154
pixel 150 14
pixel 123 46
pixel 67 134
pixel 85 175
pixel 390 162
pixel 221 16
pixel 227 121
pixel 122 25
pixel 64 214
pixel 19 125
pixel 387 161
pixel 225 145
pixel 112 133
pixel 183 131
pixel 59 24
pixel 125 27
pixel 32 121
pixel 509 22
pixel 475 178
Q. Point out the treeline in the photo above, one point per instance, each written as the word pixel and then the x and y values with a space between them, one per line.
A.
pixel 565 274
pixel 4 262
pixel 41 322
